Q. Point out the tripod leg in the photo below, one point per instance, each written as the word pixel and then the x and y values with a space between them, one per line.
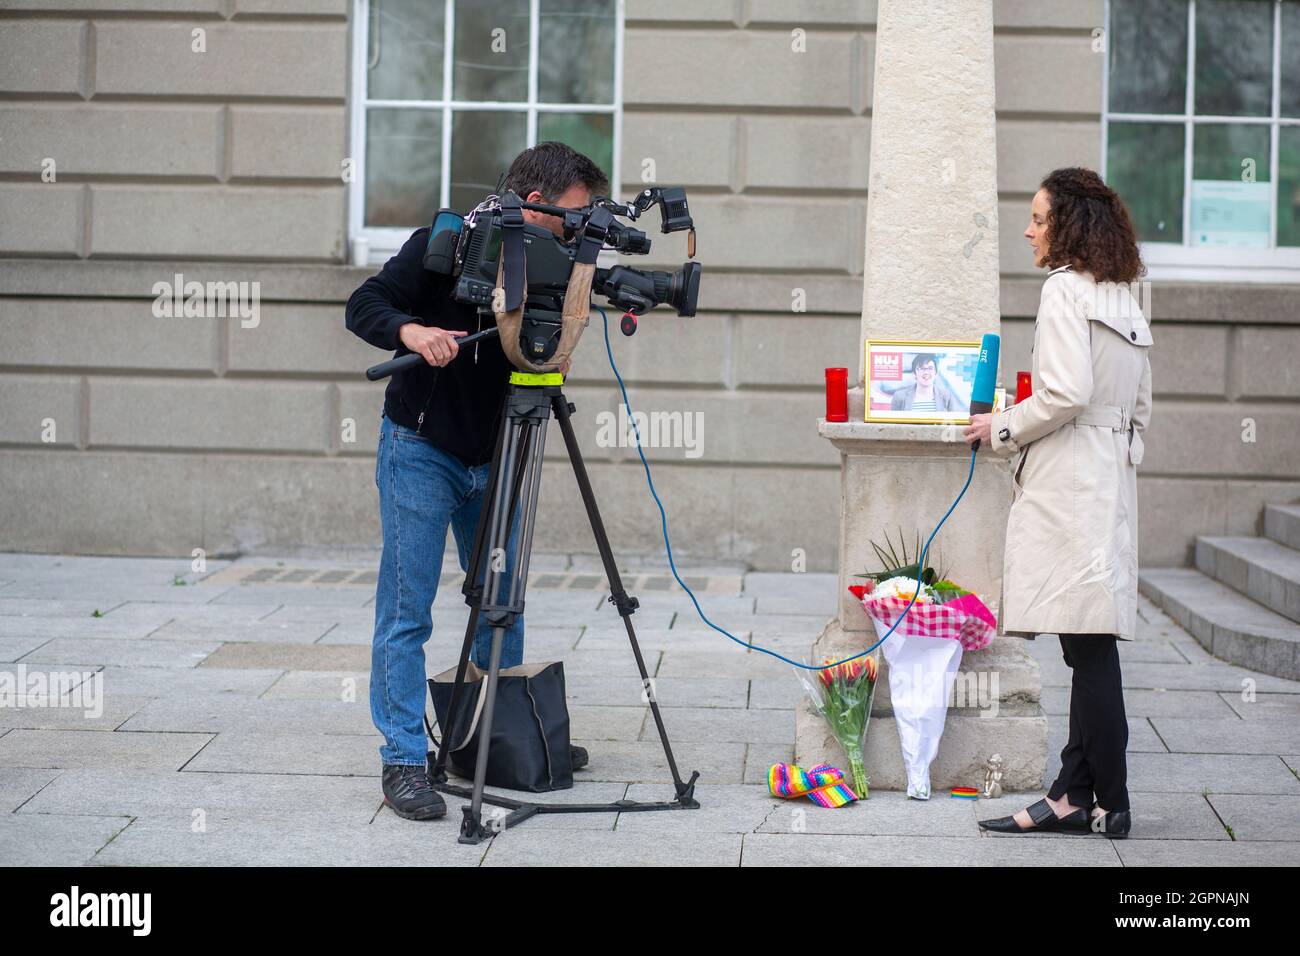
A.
pixel 618 595
pixel 528 436
pixel 473 591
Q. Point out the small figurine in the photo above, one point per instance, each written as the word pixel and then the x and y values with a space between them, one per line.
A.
pixel 993 778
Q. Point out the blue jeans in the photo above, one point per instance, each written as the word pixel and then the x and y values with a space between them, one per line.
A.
pixel 421 490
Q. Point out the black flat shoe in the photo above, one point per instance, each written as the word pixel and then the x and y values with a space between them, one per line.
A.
pixel 1116 824
pixel 1045 821
pixel 579 756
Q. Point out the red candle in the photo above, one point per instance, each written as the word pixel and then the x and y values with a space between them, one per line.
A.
pixel 837 394
pixel 1024 386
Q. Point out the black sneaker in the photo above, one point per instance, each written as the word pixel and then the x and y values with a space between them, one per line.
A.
pixel 578 756
pixel 408 793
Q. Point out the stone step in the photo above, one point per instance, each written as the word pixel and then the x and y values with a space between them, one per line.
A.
pixel 1282 524
pixel 1228 624
pixel 1260 568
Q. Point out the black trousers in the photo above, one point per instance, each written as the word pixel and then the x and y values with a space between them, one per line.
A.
pixel 1093 760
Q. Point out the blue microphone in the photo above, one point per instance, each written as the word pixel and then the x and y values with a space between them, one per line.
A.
pixel 986 379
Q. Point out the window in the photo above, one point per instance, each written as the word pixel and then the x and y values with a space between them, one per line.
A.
pixel 431 130
pixel 1201 133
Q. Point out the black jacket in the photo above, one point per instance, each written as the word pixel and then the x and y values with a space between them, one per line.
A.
pixel 461 402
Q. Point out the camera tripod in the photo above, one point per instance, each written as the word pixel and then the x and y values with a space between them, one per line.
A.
pixel 514 480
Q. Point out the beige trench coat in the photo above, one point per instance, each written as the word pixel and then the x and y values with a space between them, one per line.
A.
pixel 1072 534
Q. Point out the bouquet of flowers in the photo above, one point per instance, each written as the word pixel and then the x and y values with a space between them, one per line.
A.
pixel 842 694
pixel 924 651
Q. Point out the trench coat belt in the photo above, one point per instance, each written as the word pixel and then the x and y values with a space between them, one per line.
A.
pixel 1113 417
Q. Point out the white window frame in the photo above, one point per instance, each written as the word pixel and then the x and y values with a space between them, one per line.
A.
pixel 1183 261
pixel 374 244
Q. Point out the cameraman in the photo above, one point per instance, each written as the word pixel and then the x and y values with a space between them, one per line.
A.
pixel 436 441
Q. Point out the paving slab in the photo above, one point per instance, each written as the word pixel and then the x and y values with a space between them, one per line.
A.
pixel 89 748
pixel 121 652
pixel 290 657
pixel 811 849
pixel 33 839
pixel 723 663
pixel 273 595
pixel 883 812
pixel 109 711
pixel 1216 677
pixel 186 682
pixel 616 848
pixel 606 637
pixel 702 725
pixel 447 629
pixel 1268 706
pixel 1251 816
pixel 15 648
pixel 1210 773
pixel 159 613
pixel 1262 735
pixel 234 840
pixel 36 608
pixel 759 759
pixel 724 808
pixel 329 613
pixel 211 715
pixel 596 722
pixel 767 694
pixel 612 663
pixel 668 692
pixel 115 790
pixel 644 761
pixel 1148 703
pixel 109 594
pixel 256 632
pixel 20 784
pixel 1205 853
pixel 824 602
pixel 345 686
pixel 355 755
pixel 77 627
pixel 605 620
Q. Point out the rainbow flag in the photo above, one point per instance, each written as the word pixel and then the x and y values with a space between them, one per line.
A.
pixel 823 784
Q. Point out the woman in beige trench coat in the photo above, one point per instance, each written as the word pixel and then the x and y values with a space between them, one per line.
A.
pixel 1071 552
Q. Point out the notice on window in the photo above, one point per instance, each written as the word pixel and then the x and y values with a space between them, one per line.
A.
pixel 1228 213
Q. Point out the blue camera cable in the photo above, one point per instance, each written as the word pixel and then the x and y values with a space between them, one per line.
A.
pixel 663 516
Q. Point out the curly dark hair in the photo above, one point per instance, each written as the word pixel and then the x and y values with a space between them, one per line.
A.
pixel 1089 227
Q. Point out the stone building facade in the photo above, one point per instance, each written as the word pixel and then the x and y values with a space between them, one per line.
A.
pixel 129 157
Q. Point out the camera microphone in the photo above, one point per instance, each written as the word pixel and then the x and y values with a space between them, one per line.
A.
pixel 986 379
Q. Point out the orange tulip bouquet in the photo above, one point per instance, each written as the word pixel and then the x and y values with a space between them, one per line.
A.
pixel 842 693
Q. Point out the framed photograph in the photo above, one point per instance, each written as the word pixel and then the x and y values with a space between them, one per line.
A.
pixel 919 382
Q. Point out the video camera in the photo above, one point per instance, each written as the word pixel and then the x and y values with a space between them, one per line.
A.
pixel 495 248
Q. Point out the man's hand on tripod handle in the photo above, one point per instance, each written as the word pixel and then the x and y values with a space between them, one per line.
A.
pixel 438 346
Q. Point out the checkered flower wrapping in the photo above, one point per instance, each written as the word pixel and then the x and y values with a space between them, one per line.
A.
pixel 963 619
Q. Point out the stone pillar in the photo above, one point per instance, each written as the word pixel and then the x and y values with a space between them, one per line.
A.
pixel 931 273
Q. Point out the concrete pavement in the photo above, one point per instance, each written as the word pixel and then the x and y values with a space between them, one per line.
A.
pixel 233 728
